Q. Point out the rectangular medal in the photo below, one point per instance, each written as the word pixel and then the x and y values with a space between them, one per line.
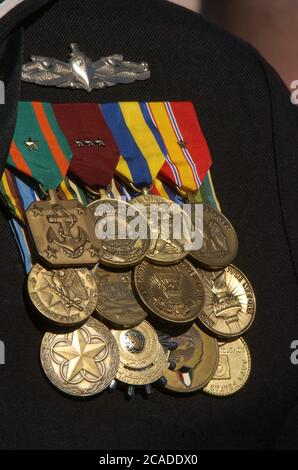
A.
pixel 62 232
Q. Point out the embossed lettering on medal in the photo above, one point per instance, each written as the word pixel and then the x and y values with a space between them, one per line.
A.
pixel 233 369
pixel 66 296
pixel 230 304
pixel 174 293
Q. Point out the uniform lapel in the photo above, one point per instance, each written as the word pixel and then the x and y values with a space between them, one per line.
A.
pixel 12 14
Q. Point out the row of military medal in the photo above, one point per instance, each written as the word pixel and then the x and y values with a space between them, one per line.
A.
pixel 190 303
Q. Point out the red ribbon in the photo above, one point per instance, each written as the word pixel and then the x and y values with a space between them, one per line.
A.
pixel 95 153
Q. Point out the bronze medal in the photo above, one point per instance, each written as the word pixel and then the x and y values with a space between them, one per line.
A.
pixel 173 293
pixel 117 303
pixel 142 358
pixel 233 369
pixel 166 248
pixel 66 297
pixel 63 232
pixel 220 243
pixel 82 362
pixel 230 304
pixel 195 358
pixel 119 251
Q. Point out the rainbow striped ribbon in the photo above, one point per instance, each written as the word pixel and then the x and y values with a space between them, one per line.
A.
pixel 39 148
pixel 20 195
pixel 17 193
pixel 26 195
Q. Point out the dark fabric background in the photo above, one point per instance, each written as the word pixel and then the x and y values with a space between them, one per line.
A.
pixel 251 128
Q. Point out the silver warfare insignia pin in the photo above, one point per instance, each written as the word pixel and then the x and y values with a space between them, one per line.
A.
pixel 81 72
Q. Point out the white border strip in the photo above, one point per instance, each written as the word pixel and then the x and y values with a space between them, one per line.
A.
pixel 8 5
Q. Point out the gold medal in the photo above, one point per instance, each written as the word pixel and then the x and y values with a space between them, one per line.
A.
pixel 120 248
pixel 117 303
pixel 195 358
pixel 82 362
pixel 66 297
pixel 142 359
pixel 170 229
pixel 233 369
pixel 230 303
pixel 138 346
pixel 63 232
pixel 173 293
pixel 145 376
pixel 220 243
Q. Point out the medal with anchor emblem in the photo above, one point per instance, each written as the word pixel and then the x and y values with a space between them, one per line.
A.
pixel 63 232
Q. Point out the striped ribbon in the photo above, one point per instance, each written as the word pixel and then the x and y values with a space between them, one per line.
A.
pixel 188 157
pixel 205 194
pixel 161 139
pixel 142 151
pixel 17 193
pixel 26 195
pixel 70 190
pixel 155 139
pixel 47 158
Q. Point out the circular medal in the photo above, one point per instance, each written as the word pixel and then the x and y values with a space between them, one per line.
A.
pixel 83 362
pixel 123 234
pixel 220 243
pixel 116 302
pixel 170 229
pixel 145 376
pixel 230 303
pixel 233 369
pixel 138 346
pixel 196 359
pixel 142 359
pixel 173 293
pixel 66 296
